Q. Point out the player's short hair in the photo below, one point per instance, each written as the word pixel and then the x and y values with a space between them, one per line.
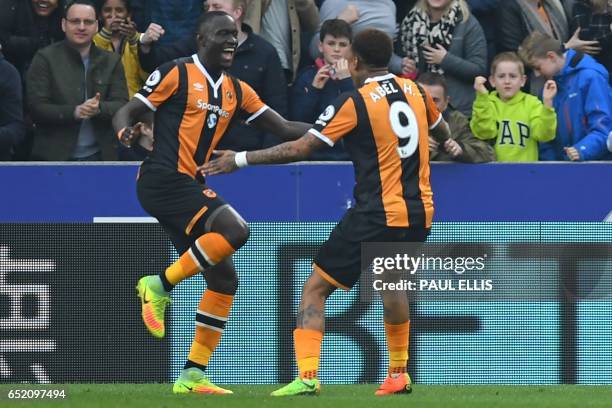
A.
pixel 507 57
pixel 80 2
pixel 434 79
pixel 336 28
pixel 538 45
pixel 374 47
pixel 209 16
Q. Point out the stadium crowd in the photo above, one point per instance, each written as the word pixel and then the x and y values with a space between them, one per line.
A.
pixel 517 80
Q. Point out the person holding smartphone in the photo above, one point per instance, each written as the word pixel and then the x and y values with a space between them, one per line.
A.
pixel 119 35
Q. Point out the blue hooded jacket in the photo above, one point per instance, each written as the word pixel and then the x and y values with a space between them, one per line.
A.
pixel 583 104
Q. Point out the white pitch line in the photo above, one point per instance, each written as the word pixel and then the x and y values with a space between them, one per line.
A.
pixel 124 220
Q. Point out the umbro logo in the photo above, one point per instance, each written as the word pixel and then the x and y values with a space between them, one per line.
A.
pixel 198 87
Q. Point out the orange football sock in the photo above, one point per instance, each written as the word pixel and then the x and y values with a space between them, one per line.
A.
pixel 397 343
pixel 307 344
pixel 208 250
pixel 211 317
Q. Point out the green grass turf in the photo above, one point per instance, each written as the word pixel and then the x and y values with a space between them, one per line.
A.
pixel 337 396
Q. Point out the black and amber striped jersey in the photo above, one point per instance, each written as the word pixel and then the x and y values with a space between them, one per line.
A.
pixel 193 112
pixel 385 127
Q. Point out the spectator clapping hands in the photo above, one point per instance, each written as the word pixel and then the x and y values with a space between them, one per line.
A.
pixel 88 109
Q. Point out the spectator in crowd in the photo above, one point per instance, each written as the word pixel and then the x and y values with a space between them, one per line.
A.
pixel 516 120
pixel 27 26
pixel 484 11
pixel 12 128
pixel 462 146
pixel 178 17
pixel 255 62
pixel 361 14
pixel 281 22
pixel 442 36
pixel 593 20
pixel 516 19
pixel 583 103
pixel 73 90
pixel 319 85
pixel 119 35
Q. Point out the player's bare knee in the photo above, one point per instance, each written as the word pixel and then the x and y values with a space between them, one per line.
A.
pixel 232 226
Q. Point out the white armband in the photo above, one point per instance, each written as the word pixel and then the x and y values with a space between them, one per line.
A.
pixel 241 159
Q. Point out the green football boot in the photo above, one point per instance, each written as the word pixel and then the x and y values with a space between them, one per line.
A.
pixel 299 387
pixel 194 380
pixel 153 306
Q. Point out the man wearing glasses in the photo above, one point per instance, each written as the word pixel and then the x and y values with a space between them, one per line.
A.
pixel 73 91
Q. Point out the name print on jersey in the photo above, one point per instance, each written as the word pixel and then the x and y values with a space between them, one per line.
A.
pixel 384 89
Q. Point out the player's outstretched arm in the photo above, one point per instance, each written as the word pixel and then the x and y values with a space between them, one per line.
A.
pixel 228 161
pixel 271 122
pixel 124 119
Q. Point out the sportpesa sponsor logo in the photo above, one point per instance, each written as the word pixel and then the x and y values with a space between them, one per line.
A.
pixel 212 108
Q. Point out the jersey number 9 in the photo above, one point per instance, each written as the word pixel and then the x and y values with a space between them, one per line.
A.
pixel 404 125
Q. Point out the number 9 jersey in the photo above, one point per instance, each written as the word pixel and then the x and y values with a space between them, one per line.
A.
pixel 385 125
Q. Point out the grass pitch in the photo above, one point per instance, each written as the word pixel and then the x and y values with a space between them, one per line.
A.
pixel 337 396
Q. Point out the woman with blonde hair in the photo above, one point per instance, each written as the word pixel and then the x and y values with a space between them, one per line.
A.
pixel 442 36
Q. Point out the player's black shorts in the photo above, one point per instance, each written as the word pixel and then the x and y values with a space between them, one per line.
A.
pixel 339 259
pixel 182 205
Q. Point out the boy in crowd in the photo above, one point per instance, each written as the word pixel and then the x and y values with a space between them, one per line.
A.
pixel 583 103
pixel 462 146
pixel 516 120
pixel 319 85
